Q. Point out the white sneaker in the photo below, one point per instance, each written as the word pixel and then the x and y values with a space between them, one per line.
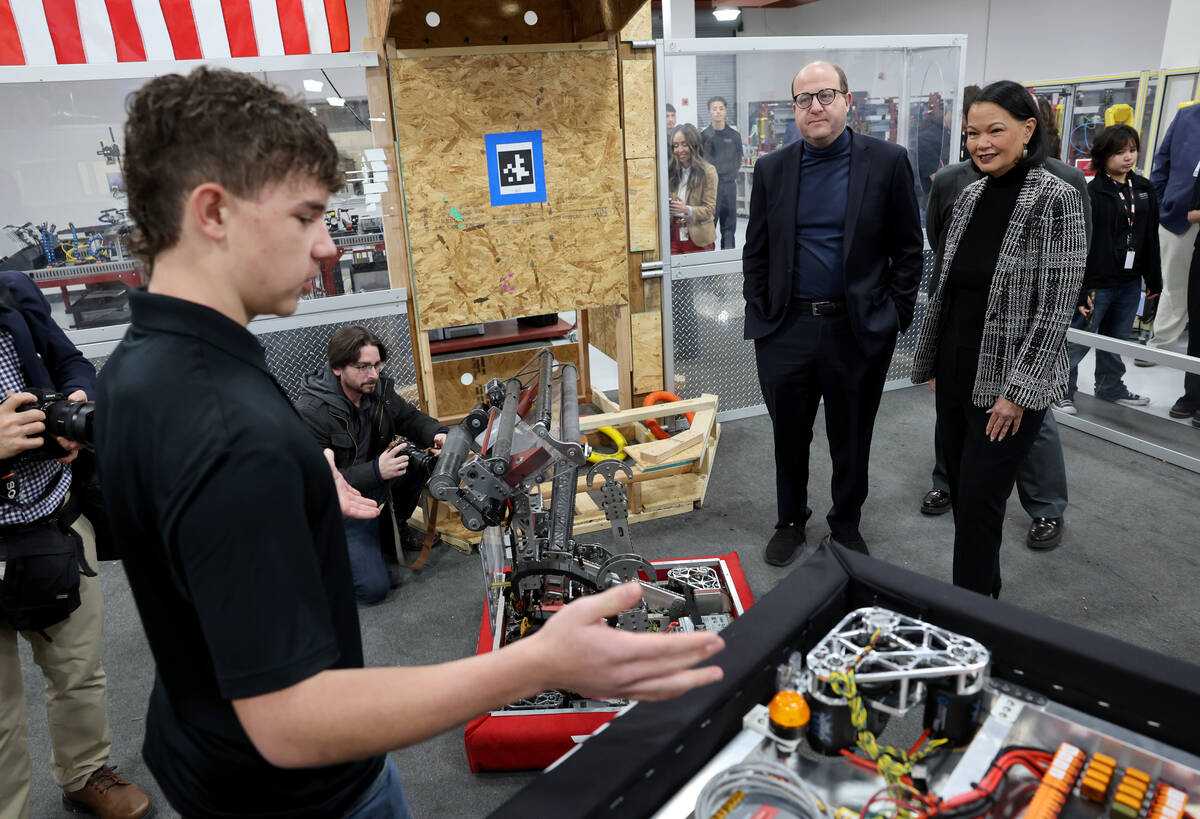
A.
pixel 1065 405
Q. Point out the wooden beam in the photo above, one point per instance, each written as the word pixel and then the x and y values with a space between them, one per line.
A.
pixel 665 450
pixel 624 357
pixel 625 416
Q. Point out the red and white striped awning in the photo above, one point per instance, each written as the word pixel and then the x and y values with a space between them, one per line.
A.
pixel 60 32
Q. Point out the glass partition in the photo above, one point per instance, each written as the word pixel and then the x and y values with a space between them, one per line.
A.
pixel 899 93
pixel 64 220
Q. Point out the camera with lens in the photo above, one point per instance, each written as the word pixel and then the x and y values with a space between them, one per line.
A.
pixel 64 418
pixel 417 458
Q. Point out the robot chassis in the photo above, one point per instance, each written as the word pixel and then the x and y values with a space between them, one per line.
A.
pixel 492 468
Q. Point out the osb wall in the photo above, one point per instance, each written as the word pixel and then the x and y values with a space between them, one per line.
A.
pixel 503 22
pixel 473 262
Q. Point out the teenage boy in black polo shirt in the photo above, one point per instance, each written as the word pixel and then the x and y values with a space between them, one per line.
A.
pixel 234 545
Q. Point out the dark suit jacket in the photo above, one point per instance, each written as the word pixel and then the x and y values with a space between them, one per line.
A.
pixel 882 251
pixel 48 357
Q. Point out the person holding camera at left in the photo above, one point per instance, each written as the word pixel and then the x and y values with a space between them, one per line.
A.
pixel 352 408
pixel 49 588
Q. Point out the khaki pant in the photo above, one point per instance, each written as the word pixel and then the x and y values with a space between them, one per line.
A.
pixel 1172 316
pixel 76 700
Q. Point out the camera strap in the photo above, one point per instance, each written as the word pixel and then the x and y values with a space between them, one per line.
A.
pixel 10 486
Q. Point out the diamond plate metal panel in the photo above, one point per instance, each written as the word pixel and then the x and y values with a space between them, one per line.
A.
pixel 906 345
pixel 708 313
pixel 293 354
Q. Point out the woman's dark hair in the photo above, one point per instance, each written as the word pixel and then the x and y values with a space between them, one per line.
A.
pixel 1111 140
pixel 691 136
pixel 347 341
pixel 1019 103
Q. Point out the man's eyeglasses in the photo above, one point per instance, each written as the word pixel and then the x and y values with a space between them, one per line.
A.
pixel 362 368
pixel 825 96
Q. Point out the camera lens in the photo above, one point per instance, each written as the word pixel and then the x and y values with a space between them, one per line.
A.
pixel 71 420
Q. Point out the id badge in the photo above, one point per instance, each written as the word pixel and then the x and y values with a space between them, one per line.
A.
pixel 1129 259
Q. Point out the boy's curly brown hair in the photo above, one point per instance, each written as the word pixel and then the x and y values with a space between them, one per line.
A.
pixel 213 125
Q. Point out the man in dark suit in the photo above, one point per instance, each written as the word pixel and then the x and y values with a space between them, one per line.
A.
pixel 832 264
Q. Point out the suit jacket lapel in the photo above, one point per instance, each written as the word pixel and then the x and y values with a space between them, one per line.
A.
pixel 789 194
pixel 860 162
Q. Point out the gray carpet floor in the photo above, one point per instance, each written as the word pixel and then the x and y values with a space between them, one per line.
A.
pixel 1128 569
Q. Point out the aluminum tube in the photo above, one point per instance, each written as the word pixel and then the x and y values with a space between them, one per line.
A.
pixel 570 403
pixel 545 389
pixel 502 446
pixel 444 481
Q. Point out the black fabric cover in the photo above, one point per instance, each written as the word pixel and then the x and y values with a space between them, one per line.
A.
pixel 642 758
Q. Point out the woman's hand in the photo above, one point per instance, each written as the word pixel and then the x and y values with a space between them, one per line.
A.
pixel 678 207
pixel 1005 419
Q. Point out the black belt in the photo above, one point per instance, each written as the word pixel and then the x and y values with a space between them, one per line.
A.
pixel 814 307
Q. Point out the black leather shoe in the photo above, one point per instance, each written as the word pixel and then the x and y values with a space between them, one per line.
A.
pixel 935 502
pixel 854 543
pixel 1045 533
pixel 784 545
pixel 1184 407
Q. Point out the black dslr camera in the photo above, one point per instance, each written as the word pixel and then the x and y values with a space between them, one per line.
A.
pixel 417 458
pixel 67 419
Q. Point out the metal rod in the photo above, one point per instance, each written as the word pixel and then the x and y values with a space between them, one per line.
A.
pixel 545 389
pixel 444 481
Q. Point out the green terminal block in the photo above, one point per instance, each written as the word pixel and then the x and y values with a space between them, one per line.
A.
pixel 1122 811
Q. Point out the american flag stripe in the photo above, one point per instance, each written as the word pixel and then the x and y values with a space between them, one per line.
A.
pixel 46 32
pixel 11 52
pixel 182 27
pixel 64 31
pixel 153 26
pixel 239 25
pixel 127 37
pixel 266 28
pixel 96 31
pixel 291 26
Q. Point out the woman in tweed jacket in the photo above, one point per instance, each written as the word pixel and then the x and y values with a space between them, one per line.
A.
pixel 993 340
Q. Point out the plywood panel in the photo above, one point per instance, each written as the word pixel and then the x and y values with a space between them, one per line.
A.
pixel 455 398
pixel 643 204
pixel 640 27
pixel 602 330
pixel 637 91
pixel 473 262
pixel 647 351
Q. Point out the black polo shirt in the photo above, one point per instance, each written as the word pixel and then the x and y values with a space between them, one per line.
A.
pixel 233 542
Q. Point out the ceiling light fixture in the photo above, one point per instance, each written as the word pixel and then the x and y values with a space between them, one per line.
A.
pixel 314 86
pixel 727 14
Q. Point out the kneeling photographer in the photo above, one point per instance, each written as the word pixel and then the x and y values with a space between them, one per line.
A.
pixel 49 587
pixel 352 408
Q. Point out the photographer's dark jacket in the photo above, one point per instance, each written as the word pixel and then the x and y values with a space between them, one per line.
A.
pixel 357 435
pixel 47 360
pixel 1112 236
pixel 50 360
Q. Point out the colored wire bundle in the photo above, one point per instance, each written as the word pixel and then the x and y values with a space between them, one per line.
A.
pixel 780 786
pixel 893 764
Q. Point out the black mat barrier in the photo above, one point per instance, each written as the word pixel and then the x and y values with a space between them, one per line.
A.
pixel 640 760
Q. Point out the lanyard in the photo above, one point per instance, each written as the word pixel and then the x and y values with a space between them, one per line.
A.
pixel 1127 202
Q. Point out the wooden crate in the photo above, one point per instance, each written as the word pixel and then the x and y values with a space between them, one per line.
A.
pixel 674 484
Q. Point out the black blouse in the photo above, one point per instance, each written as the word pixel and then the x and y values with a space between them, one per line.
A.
pixel 975 261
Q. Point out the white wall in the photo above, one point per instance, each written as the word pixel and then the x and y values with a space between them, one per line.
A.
pixel 1023 40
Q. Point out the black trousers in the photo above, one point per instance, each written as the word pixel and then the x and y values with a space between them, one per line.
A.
pixel 809 358
pixel 726 214
pixel 981 472
pixel 1191 381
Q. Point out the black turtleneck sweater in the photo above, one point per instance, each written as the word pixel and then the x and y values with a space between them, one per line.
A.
pixel 975 260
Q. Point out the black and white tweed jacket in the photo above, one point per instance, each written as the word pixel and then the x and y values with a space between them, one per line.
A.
pixel 1023 354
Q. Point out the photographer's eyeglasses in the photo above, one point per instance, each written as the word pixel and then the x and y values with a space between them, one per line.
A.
pixel 362 368
pixel 825 96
